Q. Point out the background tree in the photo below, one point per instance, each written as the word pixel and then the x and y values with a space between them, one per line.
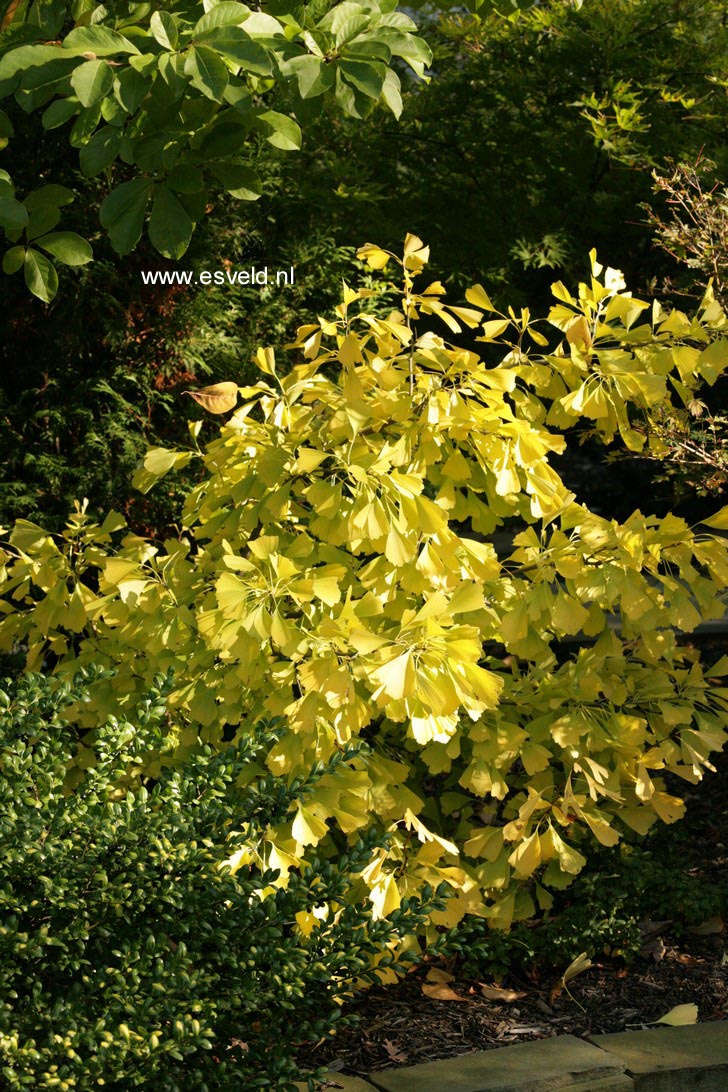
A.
pixel 534 140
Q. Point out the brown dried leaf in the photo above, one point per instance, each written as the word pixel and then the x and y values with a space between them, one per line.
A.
pixel 435 974
pixel 439 991
pixel 495 993
pixel 393 1052
pixel 219 398
pixel 654 949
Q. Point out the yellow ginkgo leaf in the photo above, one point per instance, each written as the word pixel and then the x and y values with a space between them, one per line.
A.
pixel 396 678
pixel 578 333
pixel 307 828
pixel 577 966
pixel 219 398
pixel 479 297
pixel 374 256
pixel 384 896
pixel 680 1016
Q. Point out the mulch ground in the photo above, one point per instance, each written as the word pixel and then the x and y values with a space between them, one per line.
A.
pixel 401 1025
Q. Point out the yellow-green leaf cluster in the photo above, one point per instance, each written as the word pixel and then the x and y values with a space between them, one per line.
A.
pixel 335 569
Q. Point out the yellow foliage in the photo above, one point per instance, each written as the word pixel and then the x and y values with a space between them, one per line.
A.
pixel 334 571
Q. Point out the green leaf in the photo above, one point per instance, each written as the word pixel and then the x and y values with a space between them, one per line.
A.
pixel 42 219
pixel 85 124
pixel 58 113
pixel 25 57
pixel 170 228
pixel 13 259
pixel 122 213
pixel 40 275
pixel 236 46
pixel 99 40
pixel 53 195
pixel 239 181
pixel 227 13
pixel 347 26
pixel 239 98
pixel 113 113
pixel 165 29
pixel 130 87
pixel 13 214
pixel 367 77
pixel 49 73
pixel 67 247
pixel 207 72
pixel 184 178
pixel 313 76
pixel 392 92
pixel 350 99
pixel 92 81
pixel 101 150
pixel 158 461
pixel 223 142
pixel 283 132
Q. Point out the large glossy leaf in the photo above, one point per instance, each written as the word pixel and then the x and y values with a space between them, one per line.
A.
pixel 170 228
pixel 67 247
pixel 99 40
pixel 165 28
pixel 122 213
pixel 235 45
pixel 239 181
pixel 13 214
pixel 92 81
pixel 207 71
pixel 281 131
pixel 40 275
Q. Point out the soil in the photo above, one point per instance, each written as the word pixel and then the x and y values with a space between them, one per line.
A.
pixel 399 1025
pixel 402 1025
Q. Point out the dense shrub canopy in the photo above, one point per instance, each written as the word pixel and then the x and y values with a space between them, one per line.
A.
pixel 334 569
pixel 130 954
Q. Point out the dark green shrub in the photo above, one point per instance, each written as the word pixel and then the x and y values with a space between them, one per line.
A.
pixel 130 955
pixel 600 913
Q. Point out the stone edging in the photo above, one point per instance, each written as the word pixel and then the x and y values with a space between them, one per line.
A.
pixel 664 1060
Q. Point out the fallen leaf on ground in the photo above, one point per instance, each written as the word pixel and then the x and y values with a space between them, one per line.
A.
pixel 655 949
pixel 680 1016
pixel 712 925
pixel 436 975
pixel 393 1052
pixel 495 993
pixel 439 991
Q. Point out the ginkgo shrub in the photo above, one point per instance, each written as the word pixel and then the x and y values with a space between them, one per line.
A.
pixel 333 569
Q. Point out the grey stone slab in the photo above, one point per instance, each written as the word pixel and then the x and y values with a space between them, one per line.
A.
pixel 541 1066
pixel 622 1083
pixel 336 1082
pixel 673 1059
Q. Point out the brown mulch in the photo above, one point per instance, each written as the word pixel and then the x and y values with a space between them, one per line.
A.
pixel 401 1025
